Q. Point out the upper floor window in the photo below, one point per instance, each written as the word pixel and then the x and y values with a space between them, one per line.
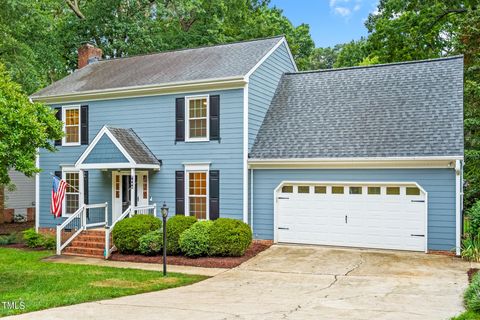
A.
pixel 197 114
pixel 71 125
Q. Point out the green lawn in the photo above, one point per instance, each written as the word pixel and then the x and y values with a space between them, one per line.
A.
pixel 41 285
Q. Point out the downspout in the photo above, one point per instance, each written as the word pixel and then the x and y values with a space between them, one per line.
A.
pixel 251 199
pixel 458 205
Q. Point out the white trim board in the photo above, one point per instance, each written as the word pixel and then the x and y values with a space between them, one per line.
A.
pixel 329 182
pixel 149 90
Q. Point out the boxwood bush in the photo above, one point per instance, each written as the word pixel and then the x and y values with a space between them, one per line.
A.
pixel 195 241
pixel 151 243
pixel 175 226
pixel 229 237
pixel 126 233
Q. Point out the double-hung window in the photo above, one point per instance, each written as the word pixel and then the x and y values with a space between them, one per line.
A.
pixel 72 192
pixel 197 194
pixel 197 113
pixel 71 127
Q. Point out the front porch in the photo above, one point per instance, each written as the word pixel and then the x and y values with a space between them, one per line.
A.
pixel 121 154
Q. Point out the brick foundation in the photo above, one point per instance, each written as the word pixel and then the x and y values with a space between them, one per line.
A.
pixel 8 215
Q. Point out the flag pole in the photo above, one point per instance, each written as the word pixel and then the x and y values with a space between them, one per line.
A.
pixel 68 184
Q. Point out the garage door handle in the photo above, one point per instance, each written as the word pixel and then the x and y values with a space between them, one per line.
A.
pixel 283 228
pixel 417 235
pixel 285 198
pixel 418 200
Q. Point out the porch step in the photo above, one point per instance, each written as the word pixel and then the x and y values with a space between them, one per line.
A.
pixel 89 243
pixel 95 252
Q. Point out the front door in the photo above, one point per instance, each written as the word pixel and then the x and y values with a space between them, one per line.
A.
pixel 121 195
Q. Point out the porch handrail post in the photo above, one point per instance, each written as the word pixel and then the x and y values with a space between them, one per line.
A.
pixel 132 188
pixel 106 213
pixel 58 240
pixel 84 218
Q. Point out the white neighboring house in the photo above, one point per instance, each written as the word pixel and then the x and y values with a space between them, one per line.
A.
pixel 20 201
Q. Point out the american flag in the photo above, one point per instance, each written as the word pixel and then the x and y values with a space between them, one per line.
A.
pixel 58 193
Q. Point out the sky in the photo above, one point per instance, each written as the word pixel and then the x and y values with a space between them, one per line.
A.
pixel 331 21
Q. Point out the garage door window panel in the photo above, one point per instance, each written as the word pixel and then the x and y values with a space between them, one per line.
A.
pixel 393 191
pixel 374 190
pixel 337 189
pixel 287 189
pixel 355 190
pixel 303 189
pixel 320 189
pixel 412 191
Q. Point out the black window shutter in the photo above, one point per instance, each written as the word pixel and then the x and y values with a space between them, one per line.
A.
pixel 215 117
pixel 85 187
pixel 214 202
pixel 58 174
pixel 180 193
pixel 59 118
pixel 84 124
pixel 180 119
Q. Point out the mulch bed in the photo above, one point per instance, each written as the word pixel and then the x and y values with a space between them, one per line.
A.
pixel 8 228
pixel 255 248
pixel 471 272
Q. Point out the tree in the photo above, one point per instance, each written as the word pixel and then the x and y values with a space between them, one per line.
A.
pixel 403 30
pixel 352 54
pixel 324 58
pixel 24 127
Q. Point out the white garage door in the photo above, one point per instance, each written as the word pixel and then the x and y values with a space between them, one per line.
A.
pixel 371 216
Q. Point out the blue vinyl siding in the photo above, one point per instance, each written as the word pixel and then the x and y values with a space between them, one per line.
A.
pixel 439 183
pixel 153 119
pixel 105 151
pixel 262 86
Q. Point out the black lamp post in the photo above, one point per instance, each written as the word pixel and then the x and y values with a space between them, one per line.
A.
pixel 164 224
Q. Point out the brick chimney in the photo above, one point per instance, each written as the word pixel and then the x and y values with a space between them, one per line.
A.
pixel 87 54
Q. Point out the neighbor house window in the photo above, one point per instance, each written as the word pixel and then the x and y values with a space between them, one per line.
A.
pixel 72 194
pixel 71 116
pixel 197 118
pixel 197 194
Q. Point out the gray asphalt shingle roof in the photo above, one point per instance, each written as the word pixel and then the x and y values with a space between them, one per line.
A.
pixel 204 63
pixel 135 147
pixel 407 109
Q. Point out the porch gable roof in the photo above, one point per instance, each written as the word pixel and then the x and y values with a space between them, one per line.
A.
pixel 117 148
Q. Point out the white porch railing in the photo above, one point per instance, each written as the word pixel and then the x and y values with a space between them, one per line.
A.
pixel 150 209
pixel 71 227
pixel 87 216
pixel 108 231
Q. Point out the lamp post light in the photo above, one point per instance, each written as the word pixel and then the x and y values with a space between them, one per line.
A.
pixel 164 211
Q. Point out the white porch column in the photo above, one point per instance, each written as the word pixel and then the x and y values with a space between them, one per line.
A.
pixel 132 189
pixel 81 188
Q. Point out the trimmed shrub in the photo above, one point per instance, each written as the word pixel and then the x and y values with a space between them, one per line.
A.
pixel 229 237
pixel 472 295
pixel 175 226
pixel 473 215
pixel 151 243
pixel 32 238
pixel 9 239
pixel 195 241
pixel 49 242
pixel 126 233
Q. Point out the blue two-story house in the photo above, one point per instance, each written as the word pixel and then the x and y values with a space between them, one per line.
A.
pixel 365 157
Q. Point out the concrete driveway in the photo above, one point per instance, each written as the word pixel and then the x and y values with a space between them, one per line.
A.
pixel 301 282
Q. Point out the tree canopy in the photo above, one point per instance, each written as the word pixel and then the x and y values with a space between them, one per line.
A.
pixel 24 128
